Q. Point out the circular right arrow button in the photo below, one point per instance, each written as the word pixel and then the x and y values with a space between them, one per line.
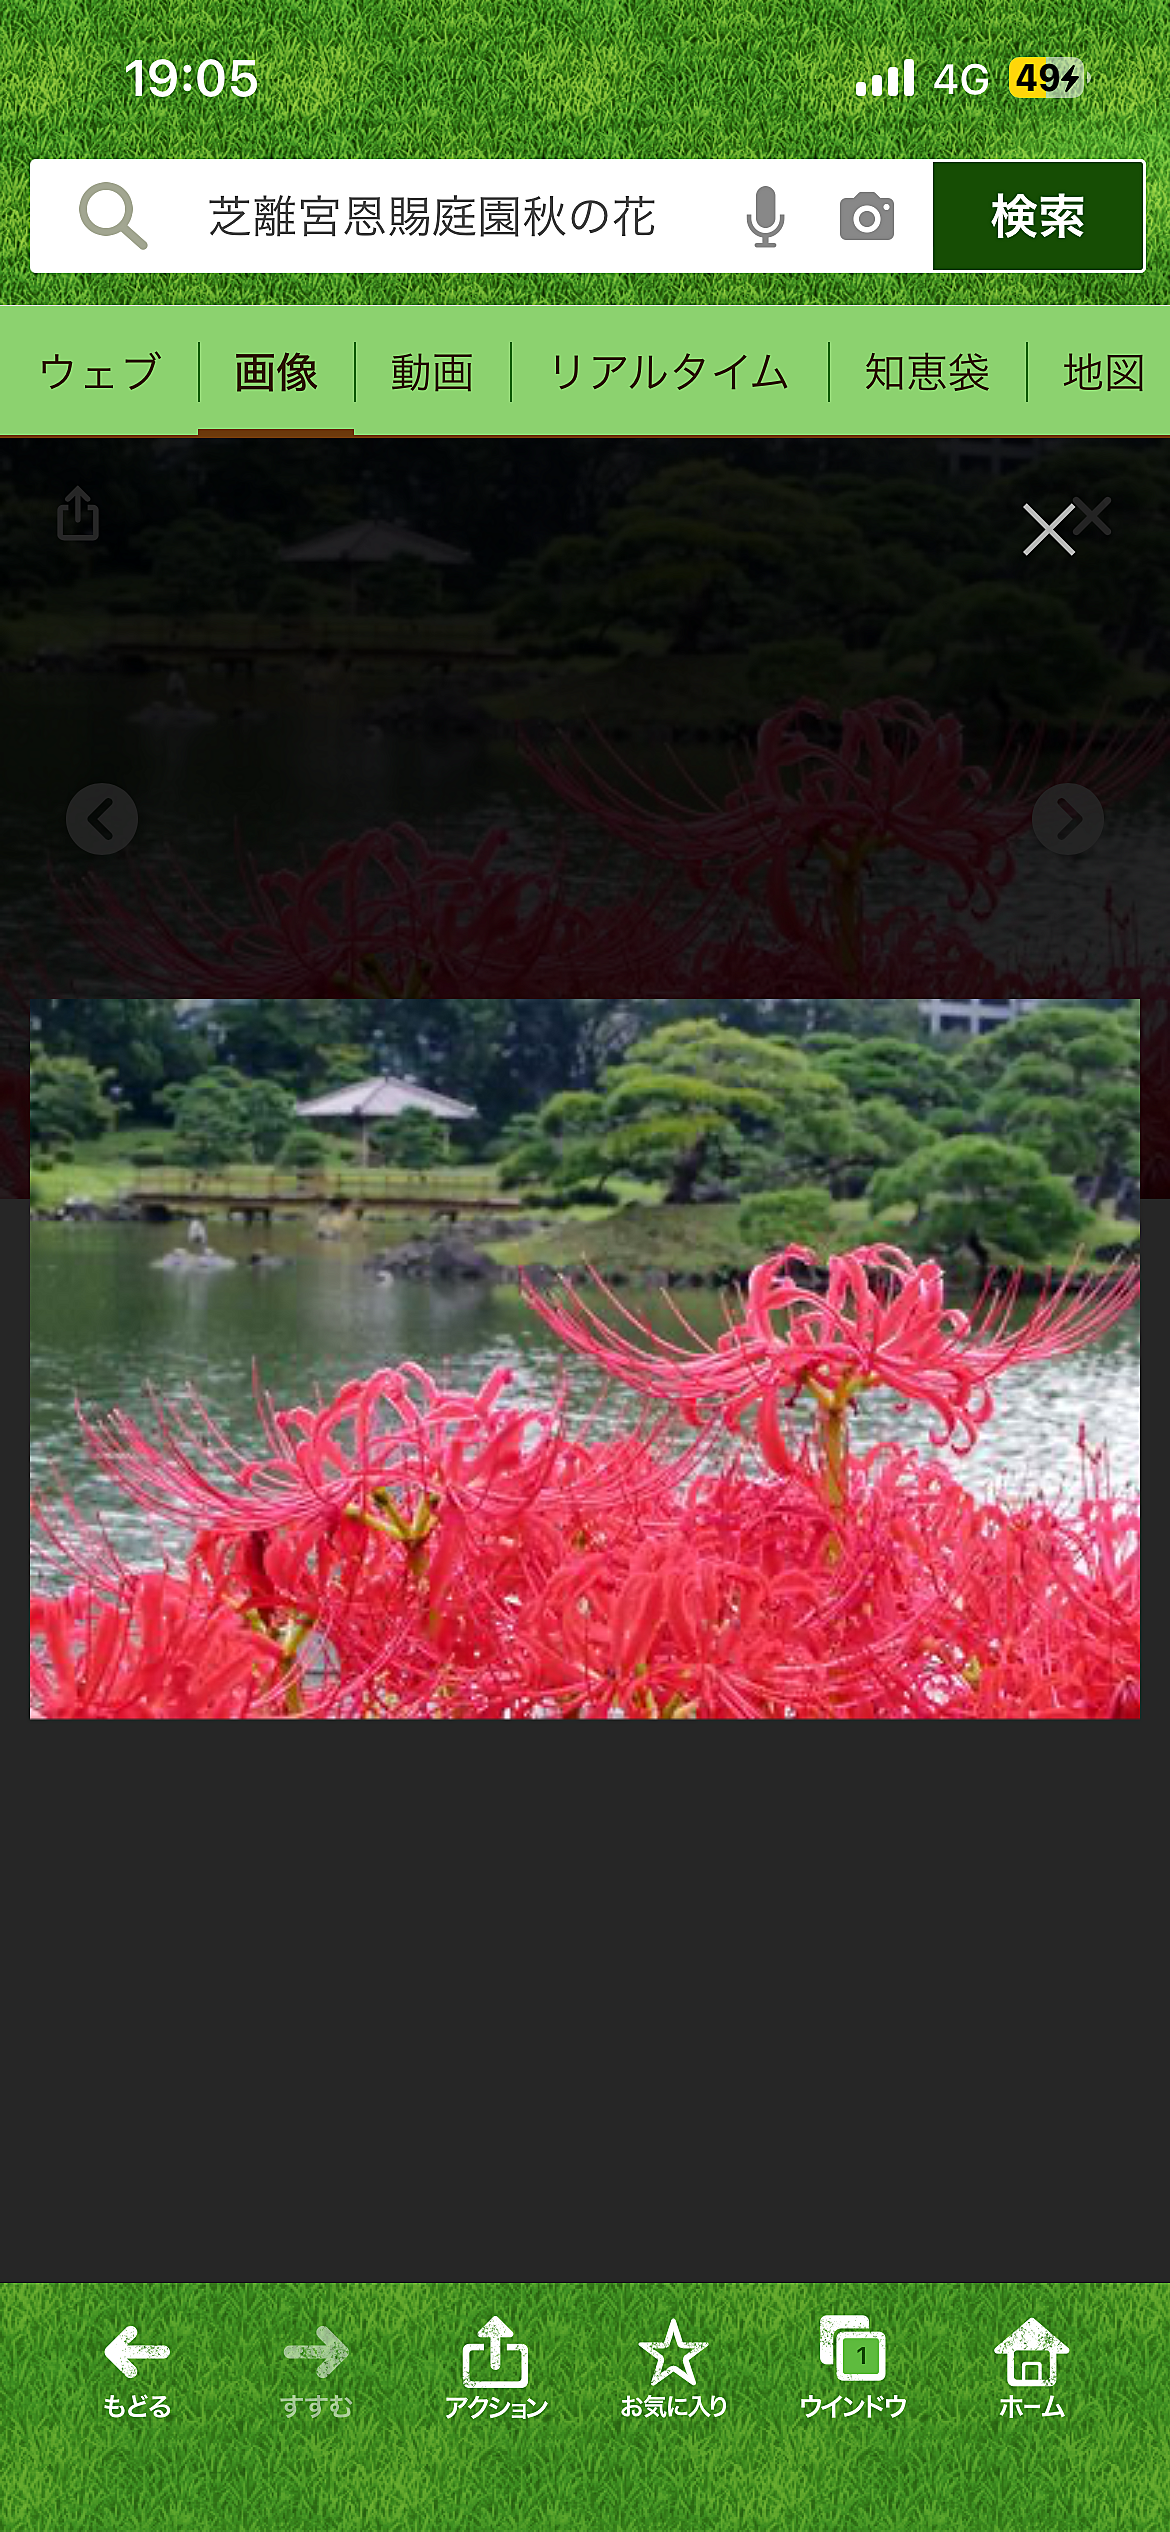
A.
pixel 1068 819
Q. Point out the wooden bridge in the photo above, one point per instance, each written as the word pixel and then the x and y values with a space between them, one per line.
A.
pixel 164 1192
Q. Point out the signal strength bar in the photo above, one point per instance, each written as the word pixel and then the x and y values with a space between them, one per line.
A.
pixel 875 86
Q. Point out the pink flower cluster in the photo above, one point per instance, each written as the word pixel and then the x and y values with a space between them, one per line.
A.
pixel 817 808
pixel 411 1551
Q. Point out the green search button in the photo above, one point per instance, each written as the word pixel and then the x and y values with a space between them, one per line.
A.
pixel 1039 215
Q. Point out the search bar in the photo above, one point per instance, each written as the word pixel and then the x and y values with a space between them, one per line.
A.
pixel 443 216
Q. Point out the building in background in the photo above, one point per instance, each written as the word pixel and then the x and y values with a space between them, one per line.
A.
pixel 971 1019
pixel 369 1102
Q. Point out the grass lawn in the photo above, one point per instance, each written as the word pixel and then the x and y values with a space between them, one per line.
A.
pixel 931 2452
pixel 639 1237
pixel 554 79
pixel 652 1241
pixel 93 1171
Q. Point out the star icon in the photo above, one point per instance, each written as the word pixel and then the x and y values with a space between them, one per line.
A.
pixel 686 2348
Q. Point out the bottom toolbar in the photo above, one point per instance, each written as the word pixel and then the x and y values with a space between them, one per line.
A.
pixel 415 2407
pixel 422 371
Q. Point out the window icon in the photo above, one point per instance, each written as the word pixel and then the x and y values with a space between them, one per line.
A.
pixel 857 2352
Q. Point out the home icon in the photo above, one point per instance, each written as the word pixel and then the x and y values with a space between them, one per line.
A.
pixel 1031 2353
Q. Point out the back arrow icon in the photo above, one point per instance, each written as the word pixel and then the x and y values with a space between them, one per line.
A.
pixel 331 2349
pixel 118 2351
pixel 95 819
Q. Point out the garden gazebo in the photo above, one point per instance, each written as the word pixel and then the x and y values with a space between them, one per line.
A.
pixel 364 541
pixel 384 1095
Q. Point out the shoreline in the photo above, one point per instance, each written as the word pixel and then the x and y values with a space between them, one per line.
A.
pixel 468 1250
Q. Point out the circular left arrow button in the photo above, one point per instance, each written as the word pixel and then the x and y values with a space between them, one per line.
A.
pixel 101 818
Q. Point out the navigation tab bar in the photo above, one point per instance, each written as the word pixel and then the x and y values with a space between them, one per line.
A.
pixel 676 369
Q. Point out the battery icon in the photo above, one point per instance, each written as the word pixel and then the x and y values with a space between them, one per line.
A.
pixel 1030 75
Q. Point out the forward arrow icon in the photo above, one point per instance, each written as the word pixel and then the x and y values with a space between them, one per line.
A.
pixel 331 2349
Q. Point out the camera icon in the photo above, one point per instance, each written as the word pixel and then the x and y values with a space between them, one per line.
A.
pixel 857 2353
pixel 867 216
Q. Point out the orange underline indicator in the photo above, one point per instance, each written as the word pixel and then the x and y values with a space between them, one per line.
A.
pixel 275 435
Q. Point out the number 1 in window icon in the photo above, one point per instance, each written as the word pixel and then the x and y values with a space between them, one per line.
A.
pixel 857 2352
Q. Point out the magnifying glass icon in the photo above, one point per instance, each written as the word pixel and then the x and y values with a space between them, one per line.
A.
pixel 121 228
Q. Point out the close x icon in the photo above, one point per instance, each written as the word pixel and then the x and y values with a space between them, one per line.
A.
pixel 1090 517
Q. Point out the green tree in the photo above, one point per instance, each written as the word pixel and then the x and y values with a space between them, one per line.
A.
pixel 1057 1128
pixel 211 1119
pixel 411 1141
pixel 201 562
pixel 1075 1039
pixel 1034 647
pixel 696 1094
pixel 291 1042
pixel 305 1150
pixel 141 1045
pixel 705 555
pixel 917 1077
pixel 973 1191
pixel 1065 1080
pixel 691 1100
pixel 269 1112
pixel 338 1067
pixel 799 1217
pixel 1093 1135
pixel 67 1101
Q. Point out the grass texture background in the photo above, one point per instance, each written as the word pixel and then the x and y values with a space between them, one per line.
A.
pixel 229 2459
pixel 557 78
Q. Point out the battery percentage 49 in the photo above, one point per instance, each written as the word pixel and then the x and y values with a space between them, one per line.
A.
pixel 1060 76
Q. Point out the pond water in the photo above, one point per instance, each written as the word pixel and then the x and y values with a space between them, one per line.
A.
pixel 105 1323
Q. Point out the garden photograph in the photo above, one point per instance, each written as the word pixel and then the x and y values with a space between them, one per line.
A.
pixel 579 1360
pixel 414 717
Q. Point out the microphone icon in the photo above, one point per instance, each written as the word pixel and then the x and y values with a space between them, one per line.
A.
pixel 768 221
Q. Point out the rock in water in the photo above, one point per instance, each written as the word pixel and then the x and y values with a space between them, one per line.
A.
pixel 450 1259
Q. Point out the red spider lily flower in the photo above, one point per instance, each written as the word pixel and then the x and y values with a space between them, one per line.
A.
pixel 1050 1613
pixel 894 776
pixel 393 1467
pixel 882 1323
pixel 904 953
pixel 384 914
pixel 163 1649
pixel 709 1599
pixel 409 1552
pixel 729 1608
